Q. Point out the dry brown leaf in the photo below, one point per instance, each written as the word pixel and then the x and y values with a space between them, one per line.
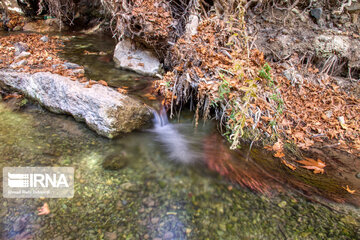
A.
pixel 268 147
pixel 289 165
pixel 278 146
pixel 121 90
pixel 349 190
pixel 102 82
pixel 44 210
pixel 279 154
pixel 311 164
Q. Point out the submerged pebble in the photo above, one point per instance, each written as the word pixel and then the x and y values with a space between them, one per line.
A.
pixel 115 161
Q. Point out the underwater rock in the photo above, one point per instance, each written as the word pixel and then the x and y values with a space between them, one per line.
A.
pixel 129 56
pixel 115 161
pixel 103 109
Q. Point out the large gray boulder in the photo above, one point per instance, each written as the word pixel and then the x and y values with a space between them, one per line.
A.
pixel 131 56
pixel 342 46
pixel 103 109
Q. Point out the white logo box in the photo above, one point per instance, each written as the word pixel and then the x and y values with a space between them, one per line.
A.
pixel 37 182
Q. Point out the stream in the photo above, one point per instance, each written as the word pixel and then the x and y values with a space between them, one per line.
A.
pixel 155 183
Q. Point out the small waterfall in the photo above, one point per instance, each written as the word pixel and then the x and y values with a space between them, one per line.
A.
pixel 175 143
pixel 160 118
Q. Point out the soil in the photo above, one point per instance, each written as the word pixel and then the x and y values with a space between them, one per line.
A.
pixel 275 32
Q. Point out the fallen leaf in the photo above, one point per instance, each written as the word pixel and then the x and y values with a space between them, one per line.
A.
pixel 316 169
pixel 289 165
pixel 349 190
pixel 102 82
pixel 311 164
pixel 278 146
pixel 149 96
pixel 123 91
pixel 279 154
pixel 44 210
pixel 268 147
pixel 15 95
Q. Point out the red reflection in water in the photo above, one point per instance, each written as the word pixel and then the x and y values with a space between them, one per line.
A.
pixel 262 173
pixel 236 167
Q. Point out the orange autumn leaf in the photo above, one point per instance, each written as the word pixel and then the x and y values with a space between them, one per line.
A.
pixel 278 146
pixel 289 165
pixel 267 119
pixel 311 164
pixel 316 169
pixel 44 210
pixel 349 190
pixel 150 96
pixel 15 95
pixel 102 82
pixel 123 91
pixel 279 154
pixel 268 147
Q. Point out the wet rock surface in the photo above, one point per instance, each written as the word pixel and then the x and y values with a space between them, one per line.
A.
pixel 131 56
pixel 104 110
pixel 115 161
pixel 43 26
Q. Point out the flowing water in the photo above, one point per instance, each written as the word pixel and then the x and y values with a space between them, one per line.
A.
pixel 154 183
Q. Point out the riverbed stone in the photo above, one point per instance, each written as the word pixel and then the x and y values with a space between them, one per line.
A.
pixel 103 109
pixel 44 26
pixel 23 55
pixel 69 65
pixel 131 56
pixel 115 161
pixel 316 13
pixel 44 39
pixel 19 64
pixel 20 47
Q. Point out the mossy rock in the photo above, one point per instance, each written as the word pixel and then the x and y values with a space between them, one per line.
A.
pixel 115 161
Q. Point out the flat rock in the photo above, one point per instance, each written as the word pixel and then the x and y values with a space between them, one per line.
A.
pixel 23 55
pixel 43 26
pixel 316 13
pixel 103 109
pixel 18 64
pixel 68 65
pixel 20 47
pixel 44 39
pixel 131 56
pixel 342 46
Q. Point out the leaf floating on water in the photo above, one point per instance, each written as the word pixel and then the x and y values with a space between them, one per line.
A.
pixel 289 165
pixel 44 210
pixel 311 164
pixel 279 154
pixel 149 96
pixel 316 169
pixel 268 147
pixel 349 190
